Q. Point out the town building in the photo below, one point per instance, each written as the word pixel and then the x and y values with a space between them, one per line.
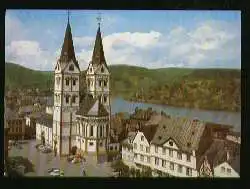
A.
pixel 15 124
pixel 44 129
pixel 173 147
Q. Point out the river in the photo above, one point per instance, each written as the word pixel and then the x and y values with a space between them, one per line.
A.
pixel 221 117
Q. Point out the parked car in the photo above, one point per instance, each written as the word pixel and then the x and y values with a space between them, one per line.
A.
pixel 56 172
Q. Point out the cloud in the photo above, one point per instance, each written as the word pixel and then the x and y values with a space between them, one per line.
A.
pixel 29 54
pixel 208 44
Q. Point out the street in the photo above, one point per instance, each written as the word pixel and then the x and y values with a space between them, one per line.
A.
pixel 42 162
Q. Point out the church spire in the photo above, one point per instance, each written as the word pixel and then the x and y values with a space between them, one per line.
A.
pixel 68 52
pixel 98 53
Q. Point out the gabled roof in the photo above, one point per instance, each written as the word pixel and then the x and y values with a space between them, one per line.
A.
pixel 68 52
pixel 98 57
pixel 149 132
pixel 185 132
pixel 92 107
pixel 217 154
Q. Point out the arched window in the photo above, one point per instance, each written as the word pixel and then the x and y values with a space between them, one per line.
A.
pixel 67 99
pixel 88 82
pixel 105 83
pixel 74 82
pixel 67 81
pixel 105 99
pixel 73 99
pixel 91 130
pixel 102 69
pixel 101 131
pixel 71 67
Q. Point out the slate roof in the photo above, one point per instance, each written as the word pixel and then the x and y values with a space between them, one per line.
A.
pixel 68 52
pixel 149 132
pixel 185 132
pixel 217 154
pixel 26 109
pixel 98 57
pixel 46 119
pixel 155 119
pixel 92 107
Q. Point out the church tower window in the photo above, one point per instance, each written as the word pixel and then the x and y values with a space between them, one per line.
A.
pixel 91 130
pixel 105 99
pixel 105 83
pixel 74 82
pixel 88 82
pixel 67 99
pixel 100 83
pixel 67 81
pixel 101 131
pixel 102 70
pixel 73 99
pixel 71 68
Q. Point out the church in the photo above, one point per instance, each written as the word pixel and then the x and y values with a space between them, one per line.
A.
pixel 85 123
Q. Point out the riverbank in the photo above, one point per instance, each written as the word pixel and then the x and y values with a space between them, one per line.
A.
pixel 186 105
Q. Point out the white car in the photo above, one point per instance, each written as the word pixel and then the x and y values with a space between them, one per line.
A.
pixel 56 172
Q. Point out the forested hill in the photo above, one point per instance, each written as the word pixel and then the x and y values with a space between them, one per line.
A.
pixel 217 89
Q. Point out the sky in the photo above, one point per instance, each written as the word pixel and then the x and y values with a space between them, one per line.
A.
pixel 151 39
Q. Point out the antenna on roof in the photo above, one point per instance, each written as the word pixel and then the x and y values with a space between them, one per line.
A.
pixel 99 19
pixel 68 15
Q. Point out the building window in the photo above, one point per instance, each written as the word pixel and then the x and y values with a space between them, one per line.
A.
pixel 179 168
pixel 228 171
pixel 148 159
pixel 142 138
pixel 163 163
pixel 91 130
pixel 170 143
pixel 74 82
pixel 147 149
pixel 188 172
pixel 67 82
pixel 88 82
pixel 100 144
pixel 164 151
pixel 135 156
pixel 156 149
pixel 222 170
pixel 73 99
pixel 105 83
pixel 100 83
pixel 156 161
pixel 188 158
pixel 91 143
pixel 141 147
pixel 179 155
pixel 111 147
pixel 100 131
pixel 171 166
pixel 135 146
pixel 142 158
pixel 105 99
pixel 71 67
pixel 67 99
pixel 102 70
pixel 170 153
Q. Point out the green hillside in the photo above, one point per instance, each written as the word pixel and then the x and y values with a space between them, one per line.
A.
pixel 217 89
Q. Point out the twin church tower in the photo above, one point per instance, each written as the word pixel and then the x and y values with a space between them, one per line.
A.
pixel 82 123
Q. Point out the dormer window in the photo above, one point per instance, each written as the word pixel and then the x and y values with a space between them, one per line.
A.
pixel 102 69
pixel 71 67
pixel 170 143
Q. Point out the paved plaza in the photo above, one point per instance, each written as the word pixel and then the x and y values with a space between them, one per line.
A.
pixel 42 162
